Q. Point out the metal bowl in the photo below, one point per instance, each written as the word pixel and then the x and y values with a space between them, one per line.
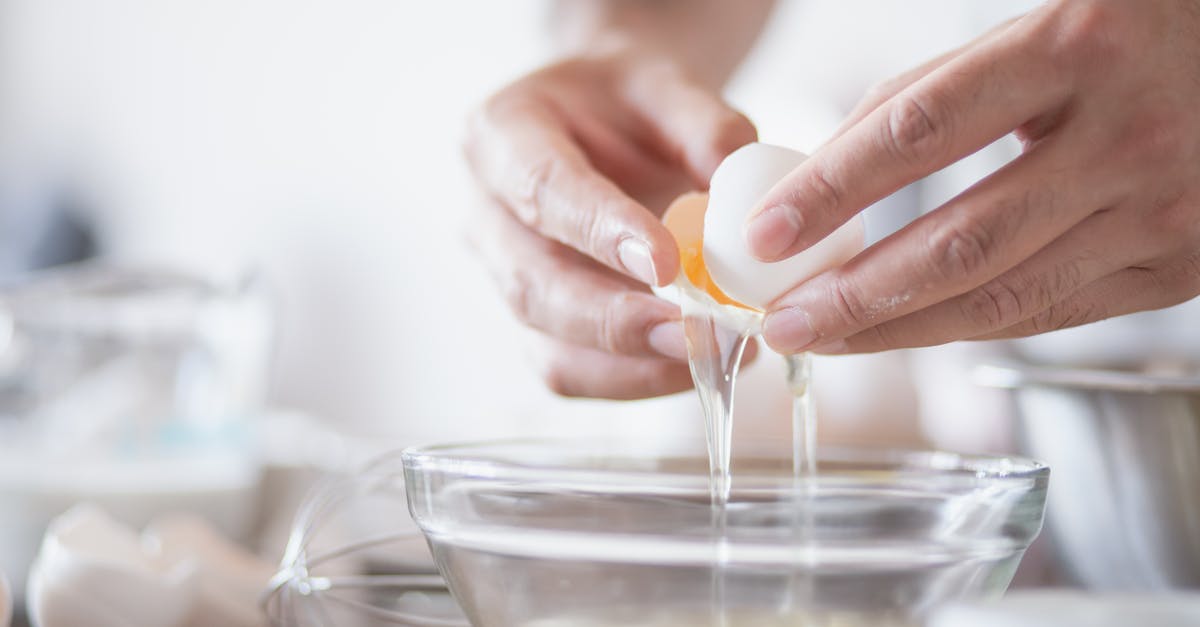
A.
pixel 1125 447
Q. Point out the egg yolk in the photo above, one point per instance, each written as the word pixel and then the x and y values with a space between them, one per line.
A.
pixel 685 220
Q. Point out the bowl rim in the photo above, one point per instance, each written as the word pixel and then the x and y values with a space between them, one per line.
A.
pixel 469 458
pixel 1013 375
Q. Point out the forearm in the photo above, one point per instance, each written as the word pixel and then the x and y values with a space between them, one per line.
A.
pixel 709 38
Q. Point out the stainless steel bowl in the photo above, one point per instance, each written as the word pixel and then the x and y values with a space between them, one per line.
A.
pixel 1124 511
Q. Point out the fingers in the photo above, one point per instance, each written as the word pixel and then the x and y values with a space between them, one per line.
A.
pixel 1124 292
pixel 695 127
pixel 958 108
pixel 528 162
pixel 883 92
pixel 962 245
pixel 1097 248
pixel 576 371
pixel 564 294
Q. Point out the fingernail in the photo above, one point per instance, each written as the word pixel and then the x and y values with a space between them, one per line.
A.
pixel 667 339
pixel 770 233
pixel 789 330
pixel 635 256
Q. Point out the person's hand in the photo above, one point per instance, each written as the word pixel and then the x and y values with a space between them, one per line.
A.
pixel 1099 216
pixel 575 162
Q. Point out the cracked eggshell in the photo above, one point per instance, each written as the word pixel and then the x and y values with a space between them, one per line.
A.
pixel 737 186
pixel 93 570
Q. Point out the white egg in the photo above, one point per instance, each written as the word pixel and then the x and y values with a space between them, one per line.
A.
pixel 740 182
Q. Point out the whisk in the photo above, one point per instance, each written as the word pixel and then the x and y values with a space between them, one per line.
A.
pixel 337 572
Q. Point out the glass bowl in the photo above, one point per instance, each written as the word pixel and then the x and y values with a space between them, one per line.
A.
pixel 571 532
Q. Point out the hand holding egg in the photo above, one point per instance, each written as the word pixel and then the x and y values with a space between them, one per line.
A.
pixel 738 185
pixel 708 230
pixel 1098 217
pixel 574 162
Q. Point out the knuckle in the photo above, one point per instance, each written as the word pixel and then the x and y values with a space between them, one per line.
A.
pixel 849 305
pixel 959 251
pixel 1174 223
pixel 552 364
pixel 1154 140
pixel 529 195
pixel 486 145
pixel 560 379
pixel 1081 313
pixel 1066 278
pixel 1177 281
pixel 1159 277
pixel 881 91
pixel 1066 316
pixel 1015 296
pixel 481 123
pixel 997 304
pixel 821 190
pixel 498 106
pixel 917 129
pixel 878 338
pixel 520 294
pixel 620 330
pixel 1043 322
pixel 594 235
pixel 1089 35
pixel 1192 267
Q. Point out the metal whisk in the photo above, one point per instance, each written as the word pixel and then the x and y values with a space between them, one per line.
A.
pixel 338 572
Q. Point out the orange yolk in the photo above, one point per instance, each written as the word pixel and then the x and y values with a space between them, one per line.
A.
pixel 685 220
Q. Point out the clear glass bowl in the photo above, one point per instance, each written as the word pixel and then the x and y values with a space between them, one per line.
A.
pixel 549 533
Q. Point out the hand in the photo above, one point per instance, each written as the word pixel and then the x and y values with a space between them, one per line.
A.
pixel 1098 217
pixel 575 162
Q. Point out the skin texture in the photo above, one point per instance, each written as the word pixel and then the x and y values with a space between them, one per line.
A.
pixel 1098 217
pixel 575 163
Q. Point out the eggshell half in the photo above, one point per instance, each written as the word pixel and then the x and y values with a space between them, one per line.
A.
pixel 739 183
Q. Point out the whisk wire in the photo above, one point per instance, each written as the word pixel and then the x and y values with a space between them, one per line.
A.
pixel 298 596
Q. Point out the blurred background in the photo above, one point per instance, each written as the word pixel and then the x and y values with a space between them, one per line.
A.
pixel 268 197
pixel 312 144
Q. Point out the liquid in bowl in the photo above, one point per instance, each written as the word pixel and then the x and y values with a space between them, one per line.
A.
pixel 617 533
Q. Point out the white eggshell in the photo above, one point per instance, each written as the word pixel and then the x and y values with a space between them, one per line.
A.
pixel 93 570
pixel 739 183
pixel 5 602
